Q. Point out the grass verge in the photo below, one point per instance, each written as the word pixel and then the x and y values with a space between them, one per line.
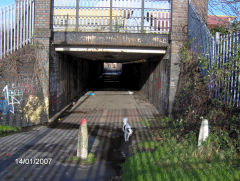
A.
pixel 146 123
pixel 178 157
pixel 5 130
pixel 89 161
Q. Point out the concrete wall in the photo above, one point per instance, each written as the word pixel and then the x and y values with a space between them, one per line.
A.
pixel 69 78
pixel 151 79
pixel 110 39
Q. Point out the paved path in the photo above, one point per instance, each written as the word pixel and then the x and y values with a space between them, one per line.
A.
pixel 104 112
pixel 109 108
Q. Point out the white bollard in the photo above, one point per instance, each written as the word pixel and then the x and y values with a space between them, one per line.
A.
pixel 82 147
pixel 203 133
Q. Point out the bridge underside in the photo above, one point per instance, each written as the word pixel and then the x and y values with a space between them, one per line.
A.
pixel 110 47
pixel 118 55
pixel 77 66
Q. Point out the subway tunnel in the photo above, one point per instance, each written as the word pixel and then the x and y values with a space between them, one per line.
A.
pixel 74 73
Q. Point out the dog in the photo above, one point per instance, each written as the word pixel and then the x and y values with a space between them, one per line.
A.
pixel 126 129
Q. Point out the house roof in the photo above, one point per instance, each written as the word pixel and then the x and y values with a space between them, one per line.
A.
pixel 219 20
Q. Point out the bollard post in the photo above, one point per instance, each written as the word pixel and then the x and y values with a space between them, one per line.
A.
pixel 82 146
pixel 203 133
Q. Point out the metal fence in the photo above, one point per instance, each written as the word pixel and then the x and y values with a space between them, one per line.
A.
pixel 16 26
pixel 227 49
pixel 218 50
pixel 130 16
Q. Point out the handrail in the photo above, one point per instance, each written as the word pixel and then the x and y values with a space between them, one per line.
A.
pixel 135 16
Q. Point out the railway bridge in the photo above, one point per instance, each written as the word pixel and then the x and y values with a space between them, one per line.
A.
pixel 71 41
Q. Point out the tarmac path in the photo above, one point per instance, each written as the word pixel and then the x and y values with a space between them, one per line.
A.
pixel 55 144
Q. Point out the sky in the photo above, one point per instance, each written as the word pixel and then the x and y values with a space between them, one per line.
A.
pixel 216 11
pixel 6 2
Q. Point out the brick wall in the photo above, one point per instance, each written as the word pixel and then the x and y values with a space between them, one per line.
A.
pixel 151 78
pixel 69 78
pixel 25 76
pixel 42 35
pixel 22 100
pixel 178 37
pixel 155 82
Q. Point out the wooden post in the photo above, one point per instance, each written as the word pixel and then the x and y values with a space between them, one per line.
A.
pixel 82 146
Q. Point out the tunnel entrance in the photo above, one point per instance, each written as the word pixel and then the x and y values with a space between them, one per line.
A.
pixel 104 88
pixel 72 73
pixel 110 79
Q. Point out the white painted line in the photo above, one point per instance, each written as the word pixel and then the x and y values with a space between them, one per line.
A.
pixel 111 50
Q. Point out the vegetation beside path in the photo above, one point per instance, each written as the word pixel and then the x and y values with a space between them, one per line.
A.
pixel 167 150
pixel 176 156
pixel 5 130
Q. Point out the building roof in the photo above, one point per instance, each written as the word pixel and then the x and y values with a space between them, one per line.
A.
pixel 219 20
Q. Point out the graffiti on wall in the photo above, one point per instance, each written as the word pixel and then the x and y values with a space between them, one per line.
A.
pixel 33 109
pixel 13 97
pixel 4 107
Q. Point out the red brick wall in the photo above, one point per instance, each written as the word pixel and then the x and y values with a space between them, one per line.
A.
pixel 42 34
pixel 179 19
pixel 178 37
pixel 42 31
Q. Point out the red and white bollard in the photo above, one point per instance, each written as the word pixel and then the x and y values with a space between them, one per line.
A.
pixel 82 147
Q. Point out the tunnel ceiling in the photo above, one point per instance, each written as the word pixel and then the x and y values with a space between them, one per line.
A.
pixel 111 57
pixel 111 54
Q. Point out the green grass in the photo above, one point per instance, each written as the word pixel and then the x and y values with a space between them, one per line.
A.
pixel 146 123
pixel 90 160
pixel 146 146
pixel 181 159
pixel 5 129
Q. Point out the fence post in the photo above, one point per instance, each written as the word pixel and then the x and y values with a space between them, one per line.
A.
pixel 77 14
pixel 111 3
pixel 11 39
pixel 142 17
pixel 1 35
pixel 218 38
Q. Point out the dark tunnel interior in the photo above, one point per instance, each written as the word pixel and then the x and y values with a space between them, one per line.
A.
pixel 72 76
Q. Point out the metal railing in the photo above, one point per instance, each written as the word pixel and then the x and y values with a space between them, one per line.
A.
pixel 218 51
pixel 16 26
pixel 129 16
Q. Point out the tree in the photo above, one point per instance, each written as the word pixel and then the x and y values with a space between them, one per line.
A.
pixel 227 7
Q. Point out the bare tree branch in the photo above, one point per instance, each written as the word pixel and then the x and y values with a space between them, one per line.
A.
pixel 226 7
